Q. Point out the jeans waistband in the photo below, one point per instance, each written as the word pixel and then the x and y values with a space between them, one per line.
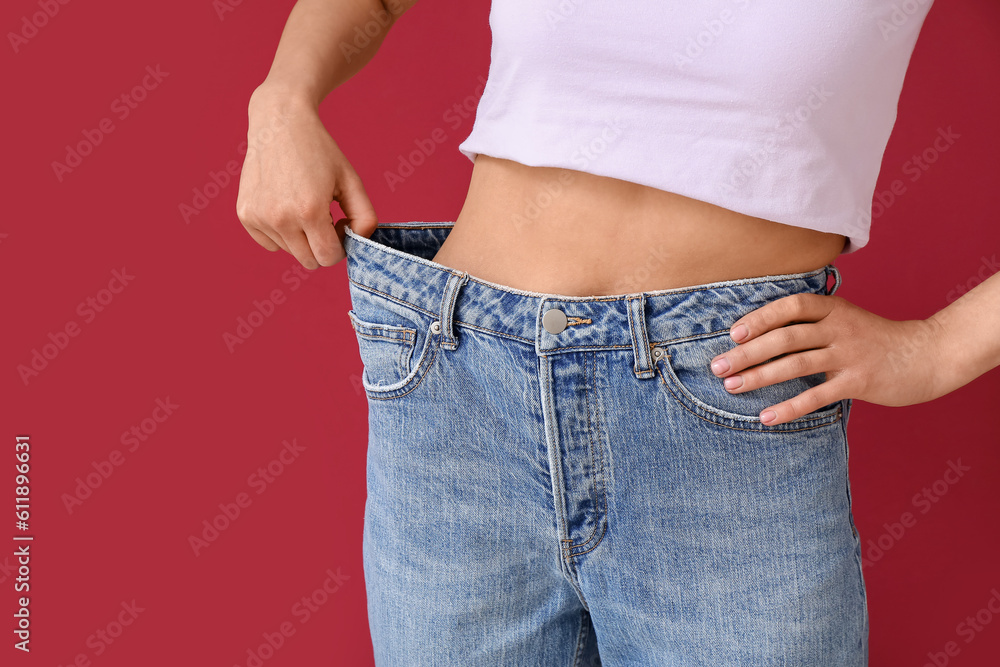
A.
pixel 396 263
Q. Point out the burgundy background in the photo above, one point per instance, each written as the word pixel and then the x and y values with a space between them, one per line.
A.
pixel 296 377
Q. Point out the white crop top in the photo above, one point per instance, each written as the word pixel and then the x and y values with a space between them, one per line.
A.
pixel 778 110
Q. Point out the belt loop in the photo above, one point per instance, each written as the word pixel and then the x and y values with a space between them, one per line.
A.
pixel 643 367
pixel 455 282
pixel 831 269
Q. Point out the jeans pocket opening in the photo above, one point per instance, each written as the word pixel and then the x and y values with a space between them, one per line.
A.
pixel 385 349
pixel 685 373
pixel 395 357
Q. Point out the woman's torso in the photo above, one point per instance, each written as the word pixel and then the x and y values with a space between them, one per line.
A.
pixel 562 231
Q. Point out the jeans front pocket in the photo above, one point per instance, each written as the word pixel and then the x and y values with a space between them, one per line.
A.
pixel 398 342
pixel 386 350
pixel 685 375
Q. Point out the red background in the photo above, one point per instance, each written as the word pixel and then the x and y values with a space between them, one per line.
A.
pixel 296 376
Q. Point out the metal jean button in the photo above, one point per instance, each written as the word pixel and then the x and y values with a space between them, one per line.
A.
pixel 554 320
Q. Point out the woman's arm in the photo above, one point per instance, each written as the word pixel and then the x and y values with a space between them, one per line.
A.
pixel 325 43
pixel 293 168
pixel 969 336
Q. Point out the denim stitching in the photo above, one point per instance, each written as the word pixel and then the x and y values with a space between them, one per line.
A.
pixel 581 638
pixel 392 339
pixel 478 327
pixel 558 495
pixel 405 354
pixel 601 519
pixel 368 329
pixel 631 332
pixel 600 462
pixel 854 530
pixel 404 343
pixel 639 330
pixel 451 307
pixel 764 427
pixel 426 371
pixel 403 302
pixel 572 578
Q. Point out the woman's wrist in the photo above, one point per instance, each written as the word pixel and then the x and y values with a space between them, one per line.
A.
pixel 281 96
pixel 967 345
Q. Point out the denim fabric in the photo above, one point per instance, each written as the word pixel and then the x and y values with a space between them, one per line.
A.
pixel 593 495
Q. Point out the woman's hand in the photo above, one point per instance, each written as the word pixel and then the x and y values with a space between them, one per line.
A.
pixel 864 356
pixel 293 170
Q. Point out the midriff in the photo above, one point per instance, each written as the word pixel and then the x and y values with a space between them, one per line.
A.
pixel 563 231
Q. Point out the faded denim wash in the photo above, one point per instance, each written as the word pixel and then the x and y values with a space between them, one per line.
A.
pixel 587 492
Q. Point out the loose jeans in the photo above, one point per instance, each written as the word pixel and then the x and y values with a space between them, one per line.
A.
pixel 561 481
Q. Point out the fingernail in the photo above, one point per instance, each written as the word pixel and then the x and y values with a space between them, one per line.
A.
pixel 734 382
pixel 720 366
pixel 768 416
pixel 739 333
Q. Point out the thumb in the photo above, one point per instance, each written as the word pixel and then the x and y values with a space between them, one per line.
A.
pixel 339 227
pixel 358 210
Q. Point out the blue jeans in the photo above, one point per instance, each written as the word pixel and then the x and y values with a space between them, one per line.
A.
pixel 562 481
